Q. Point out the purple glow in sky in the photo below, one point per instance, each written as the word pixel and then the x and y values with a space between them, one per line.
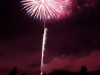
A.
pixel 76 39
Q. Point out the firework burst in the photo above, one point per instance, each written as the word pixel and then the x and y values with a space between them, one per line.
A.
pixel 45 9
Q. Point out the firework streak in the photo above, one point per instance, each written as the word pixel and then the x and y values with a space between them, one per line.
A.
pixel 43 45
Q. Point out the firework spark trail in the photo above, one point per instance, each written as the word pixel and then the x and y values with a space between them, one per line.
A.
pixel 43 45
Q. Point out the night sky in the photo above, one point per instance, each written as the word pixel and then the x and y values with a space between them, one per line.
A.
pixel 72 42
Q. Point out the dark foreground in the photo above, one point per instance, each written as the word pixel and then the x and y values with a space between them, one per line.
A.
pixel 83 71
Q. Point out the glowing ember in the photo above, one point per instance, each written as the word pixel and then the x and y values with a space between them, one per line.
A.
pixel 41 73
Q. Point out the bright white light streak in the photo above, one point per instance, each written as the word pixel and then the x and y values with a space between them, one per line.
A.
pixel 43 45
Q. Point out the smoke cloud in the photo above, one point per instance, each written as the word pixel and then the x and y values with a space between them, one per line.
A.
pixel 74 63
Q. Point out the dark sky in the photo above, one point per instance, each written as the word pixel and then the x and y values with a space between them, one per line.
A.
pixel 72 42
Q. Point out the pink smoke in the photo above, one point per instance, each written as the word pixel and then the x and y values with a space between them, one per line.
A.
pixel 73 63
